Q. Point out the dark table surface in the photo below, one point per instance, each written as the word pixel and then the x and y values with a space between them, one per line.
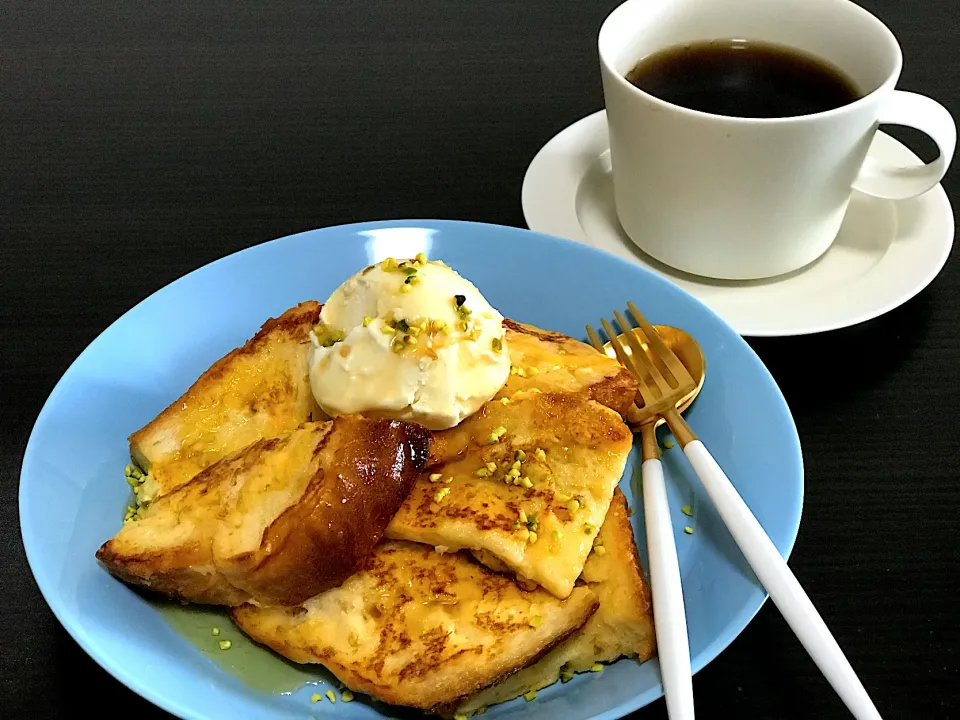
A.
pixel 139 141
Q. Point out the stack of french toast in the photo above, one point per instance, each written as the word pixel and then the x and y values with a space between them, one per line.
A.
pixel 446 570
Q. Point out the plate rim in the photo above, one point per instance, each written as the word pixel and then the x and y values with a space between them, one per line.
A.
pixel 718 644
pixel 590 128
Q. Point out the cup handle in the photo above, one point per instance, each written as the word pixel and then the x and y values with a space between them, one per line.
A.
pixel 927 116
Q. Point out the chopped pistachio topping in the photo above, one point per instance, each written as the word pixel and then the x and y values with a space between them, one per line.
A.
pixel 688 530
pixel 498 432
pixel 367 320
pixel 448 479
pixel 316 697
pixel 409 270
pixel 540 454
pixel 346 696
pixel 421 258
pixel 523 517
pixel 327 336
pixel 566 676
pixel 459 716
pixel 434 477
pixel 505 401
pixel 405 288
pixel 600 550
pixel 687 510
pixel 520 456
pixel 589 528
pixel 331 696
pixel 521 372
pixel 573 505
pixel 389 265
pixel 225 644
pixel 491 466
pixel 557 535
pixel 536 620
pixel 215 631
pixel 496 345
pixel 526 482
pixel 667 444
pixel 482 472
pixel 596 667
pixel 530 696
pixel 440 494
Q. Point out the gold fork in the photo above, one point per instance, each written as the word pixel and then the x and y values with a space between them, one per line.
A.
pixel 663 380
pixel 658 397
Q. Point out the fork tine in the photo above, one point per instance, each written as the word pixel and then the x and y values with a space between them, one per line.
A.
pixel 661 350
pixel 650 363
pixel 650 391
pixel 598 344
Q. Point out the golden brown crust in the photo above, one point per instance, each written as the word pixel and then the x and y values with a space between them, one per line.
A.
pixel 277 522
pixel 621 626
pixel 420 628
pixel 259 390
pixel 318 543
pixel 565 364
pixel 574 449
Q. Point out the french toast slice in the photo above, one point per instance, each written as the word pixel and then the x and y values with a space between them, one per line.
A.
pixel 552 362
pixel 420 628
pixel 277 522
pixel 260 390
pixel 527 482
pixel 621 627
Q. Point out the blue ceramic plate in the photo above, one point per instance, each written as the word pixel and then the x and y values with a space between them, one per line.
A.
pixel 72 493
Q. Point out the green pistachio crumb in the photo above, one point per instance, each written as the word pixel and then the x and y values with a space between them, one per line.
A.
pixel 346 696
pixel 331 696
pixel 225 644
pixel 532 695
pixel 316 697
pixel 688 530
pixel 596 667
pixel 215 631
pixel 687 510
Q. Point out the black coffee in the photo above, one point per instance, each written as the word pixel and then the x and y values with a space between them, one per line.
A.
pixel 744 79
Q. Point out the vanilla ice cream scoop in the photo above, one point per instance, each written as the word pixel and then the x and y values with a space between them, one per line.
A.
pixel 411 340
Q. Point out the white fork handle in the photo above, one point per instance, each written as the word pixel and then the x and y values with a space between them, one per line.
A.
pixel 780 582
pixel 669 618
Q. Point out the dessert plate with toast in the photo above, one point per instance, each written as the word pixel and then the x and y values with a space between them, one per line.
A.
pixel 379 462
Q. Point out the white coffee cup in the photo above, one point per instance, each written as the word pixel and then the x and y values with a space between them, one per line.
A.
pixel 741 198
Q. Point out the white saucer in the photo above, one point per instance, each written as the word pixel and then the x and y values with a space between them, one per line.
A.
pixel 885 253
